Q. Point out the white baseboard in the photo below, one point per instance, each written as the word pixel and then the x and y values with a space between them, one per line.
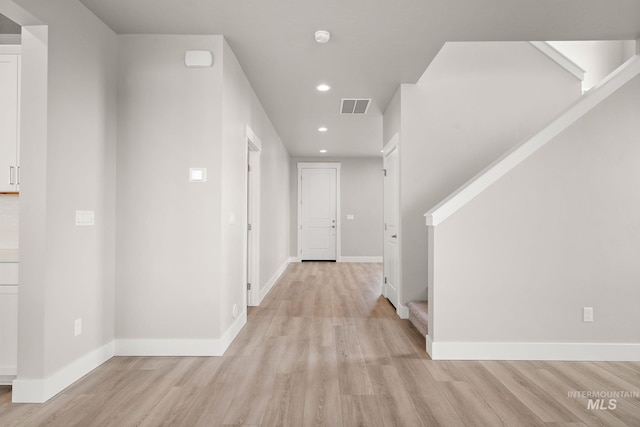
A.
pixel 181 347
pixel 360 259
pixel 614 352
pixel 274 279
pixel 403 311
pixel 41 390
pixel 294 259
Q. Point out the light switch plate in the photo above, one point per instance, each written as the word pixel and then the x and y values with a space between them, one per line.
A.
pixel 77 327
pixel 85 218
pixel 197 174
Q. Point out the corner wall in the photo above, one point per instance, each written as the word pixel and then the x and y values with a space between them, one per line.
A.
pixel 67 163
pixel 181 269
pixel 474 102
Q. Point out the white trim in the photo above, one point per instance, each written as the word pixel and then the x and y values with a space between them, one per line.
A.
pixel 402 311
pixel 614 352
pixel 294 259
pixel 10 39
pixel 181 347
pixel 318 165
pixel 557 56
pixel 429 345
pixel 10 49
pixel 264 290
pixel 41 390
pixel 253 138
pixel 360 259
pixel 518 154
pixel 390 147
pixel 252 260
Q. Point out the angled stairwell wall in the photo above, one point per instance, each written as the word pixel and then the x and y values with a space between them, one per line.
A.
pixel 474 102
pixel 552 227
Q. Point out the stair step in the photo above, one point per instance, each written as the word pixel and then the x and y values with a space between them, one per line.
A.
pixel 419 316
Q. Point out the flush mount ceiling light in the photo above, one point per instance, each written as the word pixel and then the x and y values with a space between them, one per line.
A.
pixel 323 151
pixel 323 129
pixel 323 87
pixel 322 36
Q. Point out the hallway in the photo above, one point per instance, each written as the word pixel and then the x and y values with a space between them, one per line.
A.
pixel 324 349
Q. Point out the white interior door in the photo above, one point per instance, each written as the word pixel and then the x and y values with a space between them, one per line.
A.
pixel 391 228
pixel 318 214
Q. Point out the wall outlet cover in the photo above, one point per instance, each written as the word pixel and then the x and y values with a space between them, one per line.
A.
pixel 85 218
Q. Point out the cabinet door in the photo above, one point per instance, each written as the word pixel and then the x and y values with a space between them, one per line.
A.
pixel 9 91
pixel 8 330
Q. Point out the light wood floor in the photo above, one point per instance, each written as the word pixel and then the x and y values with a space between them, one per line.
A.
pixel 324 349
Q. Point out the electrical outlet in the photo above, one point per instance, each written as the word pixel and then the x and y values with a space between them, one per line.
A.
pixel 587 314
pixel 77 327
pixel 85 218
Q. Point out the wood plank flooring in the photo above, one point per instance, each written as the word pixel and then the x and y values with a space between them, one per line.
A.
pixel 325 349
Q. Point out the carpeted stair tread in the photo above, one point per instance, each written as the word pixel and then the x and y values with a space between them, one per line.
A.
pixel 419 315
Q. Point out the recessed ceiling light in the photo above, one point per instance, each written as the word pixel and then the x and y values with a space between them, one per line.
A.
pixel 322 36
pixel 322 129
pixel 323 87
pixel 323 151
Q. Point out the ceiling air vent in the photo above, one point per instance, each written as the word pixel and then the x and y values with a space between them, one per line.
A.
pixel 354 106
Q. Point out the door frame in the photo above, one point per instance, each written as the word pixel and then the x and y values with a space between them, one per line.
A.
pixel 318 165
pixel 252 252
pixel 394 146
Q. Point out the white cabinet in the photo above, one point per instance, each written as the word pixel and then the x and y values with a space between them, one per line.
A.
pixel 8 333
pixel 9 120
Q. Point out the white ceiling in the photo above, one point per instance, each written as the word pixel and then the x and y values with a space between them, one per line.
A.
pixel 375 46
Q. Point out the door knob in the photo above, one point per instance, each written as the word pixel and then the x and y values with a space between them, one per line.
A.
pixel 394 236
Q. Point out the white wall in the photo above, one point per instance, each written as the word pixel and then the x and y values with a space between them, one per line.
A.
pixel 392 116
pixel 182 246
pixel 168 236
pixel 558 233
pixel 360 195
pixel 241 107
pixel 475 101
pixel 67 163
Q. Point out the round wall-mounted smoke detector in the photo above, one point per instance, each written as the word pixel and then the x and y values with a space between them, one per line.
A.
pixel 322 36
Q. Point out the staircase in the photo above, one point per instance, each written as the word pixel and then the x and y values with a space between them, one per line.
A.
pixel 419 316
